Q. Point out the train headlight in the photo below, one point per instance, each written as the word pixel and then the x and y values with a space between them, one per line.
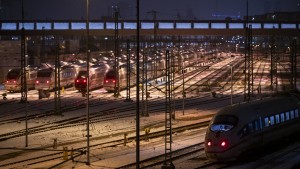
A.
pixel 77 81
pixel 209 143
pixel 37 81
pixel 114 81
pixel 223 143
pixel 84 81
pixel 47 81
pixel 14 81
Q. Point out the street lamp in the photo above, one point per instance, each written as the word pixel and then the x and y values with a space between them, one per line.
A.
pixel 231 84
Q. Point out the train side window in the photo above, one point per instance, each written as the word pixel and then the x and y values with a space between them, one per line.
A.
pixel 287 115
pixel 296 113
pixel 266 122
pixel 256 125
pixel 277 118
pixel 292 114
pixel 272 121
pixel 282 117
pixel 250 127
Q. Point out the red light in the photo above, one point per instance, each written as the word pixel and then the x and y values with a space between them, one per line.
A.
pixel 106 81
pixel 47 81
pixel 84 81
pixel 223 143
pixel 114 81
pixel 77 81
pixel 209 143
pixel 14 81
pixel 7 81
pixel 37 81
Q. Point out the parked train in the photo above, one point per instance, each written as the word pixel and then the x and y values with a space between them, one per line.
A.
pixel 97 73
pixel 150 66
pixel 13 79
pixel 239 128
pixel 46 77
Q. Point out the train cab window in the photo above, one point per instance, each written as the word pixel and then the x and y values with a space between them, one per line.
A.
pixel 266 122
pixel 277 118
pixel 292 114
pixel 282 119
pixel 223 123
pixel 287 115
pixel 296 113
pixel 272 120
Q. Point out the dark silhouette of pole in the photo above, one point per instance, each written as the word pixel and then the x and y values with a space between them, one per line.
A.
pixel 87 84
pixel 116 17
pixel 137 84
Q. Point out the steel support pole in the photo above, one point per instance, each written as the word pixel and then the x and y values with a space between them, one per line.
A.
pixel 87 84
pixel 137 84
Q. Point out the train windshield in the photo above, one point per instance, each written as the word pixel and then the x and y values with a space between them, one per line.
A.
pixel 81 74
pixel 110 75
pixel 14 74
pixel 223 123
pixel 44 74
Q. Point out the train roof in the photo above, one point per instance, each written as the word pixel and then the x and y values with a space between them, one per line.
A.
pixel 267 105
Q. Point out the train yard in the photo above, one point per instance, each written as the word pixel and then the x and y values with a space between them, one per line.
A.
pixel 59 140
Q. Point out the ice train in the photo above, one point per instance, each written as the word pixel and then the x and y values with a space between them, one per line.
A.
pixel 241 128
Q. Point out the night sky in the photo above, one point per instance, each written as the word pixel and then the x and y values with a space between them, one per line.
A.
pixel 167 9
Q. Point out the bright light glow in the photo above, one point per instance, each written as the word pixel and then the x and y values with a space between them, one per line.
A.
pixel 47 81
pixel 7 81
pixel 223 143
pixel 114 81
pixel 209 143
pixel 77 81
pixel 14 81
pixel 37 81
pixel 84 81
pixel 106 81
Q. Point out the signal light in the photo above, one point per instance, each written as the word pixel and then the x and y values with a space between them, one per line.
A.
pixel 77 81
pixel 14 81
pixel 37 81
pixel 114 81
pixel 7 81
pixel 84 81
pixel 106 81
pixel 47 81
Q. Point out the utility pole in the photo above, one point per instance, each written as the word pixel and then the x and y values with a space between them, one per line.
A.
pixel 87 84
pixel 293 59
pixel 154 14
pixel 168 164
pixel 23 61
pixel 57 81
pixel 117 84
pixel 137 84
pixel 248 88
pixel 128 73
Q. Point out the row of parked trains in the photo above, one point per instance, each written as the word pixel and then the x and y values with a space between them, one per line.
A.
pixel 101 75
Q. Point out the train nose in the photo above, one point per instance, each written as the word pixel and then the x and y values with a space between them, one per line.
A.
pixel 216 145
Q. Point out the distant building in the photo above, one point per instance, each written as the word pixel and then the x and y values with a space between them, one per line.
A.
pixel 276 16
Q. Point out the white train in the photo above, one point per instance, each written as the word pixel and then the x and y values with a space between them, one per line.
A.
pixel 97 73
pixel 236 129
pixel 46 77
pixel 13 79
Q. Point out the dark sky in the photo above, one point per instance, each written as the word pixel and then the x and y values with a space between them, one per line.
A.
pixel 167 9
